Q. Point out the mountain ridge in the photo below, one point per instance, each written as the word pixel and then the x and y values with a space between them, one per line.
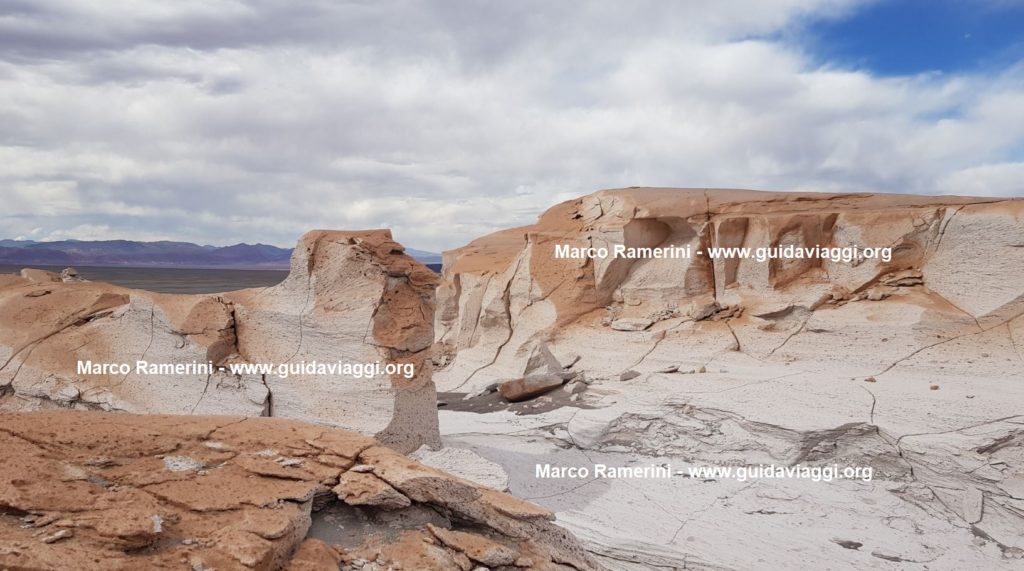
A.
pixel 163 253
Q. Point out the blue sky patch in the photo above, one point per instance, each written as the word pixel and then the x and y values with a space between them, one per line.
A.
pixel 901 37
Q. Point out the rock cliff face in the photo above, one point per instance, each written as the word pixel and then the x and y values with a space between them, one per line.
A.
pixel 351 297
pixel 506 293
pixel 912 366
pixel 92 490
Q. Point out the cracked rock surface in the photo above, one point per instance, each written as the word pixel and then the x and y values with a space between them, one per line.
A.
pixel 913 367
pixel 95 490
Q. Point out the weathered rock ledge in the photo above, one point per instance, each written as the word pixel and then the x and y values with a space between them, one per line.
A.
pixel 94 490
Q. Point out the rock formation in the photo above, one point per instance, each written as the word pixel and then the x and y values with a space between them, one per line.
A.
pixel 351 297
pixel 94 490
pixel 913 366
pixel 505 294
pixel 908 367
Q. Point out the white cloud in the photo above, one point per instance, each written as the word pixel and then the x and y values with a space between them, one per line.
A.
pixel 1002 179
pixel 228 121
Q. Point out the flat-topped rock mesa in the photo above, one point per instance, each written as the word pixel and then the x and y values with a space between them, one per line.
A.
pixel 98 490
pixel 350 297
pixel 505 294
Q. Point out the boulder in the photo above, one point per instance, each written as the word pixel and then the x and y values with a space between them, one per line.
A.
pixel 529 387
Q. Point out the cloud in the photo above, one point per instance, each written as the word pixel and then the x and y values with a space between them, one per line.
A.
pixel 1001 179
pixel 219 122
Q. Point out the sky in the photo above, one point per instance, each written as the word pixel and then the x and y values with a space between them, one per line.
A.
pixel 226 121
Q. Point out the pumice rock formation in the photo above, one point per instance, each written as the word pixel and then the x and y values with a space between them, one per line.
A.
pixel 505 293
pixel 897 379
pixel 350 297
pixel 94 490
pixel 911 366
pixel 47 326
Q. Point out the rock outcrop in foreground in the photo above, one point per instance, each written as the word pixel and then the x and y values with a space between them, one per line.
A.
pixel 93 490
pixel 351 297
pixel 912 366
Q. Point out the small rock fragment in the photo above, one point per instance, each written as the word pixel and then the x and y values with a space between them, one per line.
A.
pixel 70 275
pixel 631 324
pixel 529 387
pixel 362 489
pixel 181 463
pixel 972 505
pixel 55 537
pixel 570 359
pixel 628 375
pixel 477 547
pixel 848 544
pixel 314 555
pixel 575 387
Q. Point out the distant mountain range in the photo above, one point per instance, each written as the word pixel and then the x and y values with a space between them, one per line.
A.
pixel 154 254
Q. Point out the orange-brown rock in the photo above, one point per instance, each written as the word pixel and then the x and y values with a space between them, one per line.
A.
pixel 529 387
pixel 93 490
pixel 362 489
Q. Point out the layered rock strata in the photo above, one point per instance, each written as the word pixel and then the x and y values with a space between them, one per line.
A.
pixel 94 490
pixel 351 298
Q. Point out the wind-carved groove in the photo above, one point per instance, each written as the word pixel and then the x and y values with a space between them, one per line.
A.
pixel 309 291
pixel 944 227
pixel 739 346
pixel 268 404
pixel 507 302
